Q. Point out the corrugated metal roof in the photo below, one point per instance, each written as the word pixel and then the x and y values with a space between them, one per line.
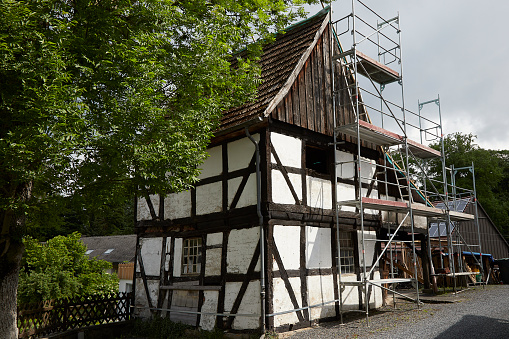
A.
pixel 113 248
pixel 277 62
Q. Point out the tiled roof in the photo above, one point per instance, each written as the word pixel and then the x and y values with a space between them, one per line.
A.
pixel 278 61
pixel 113 248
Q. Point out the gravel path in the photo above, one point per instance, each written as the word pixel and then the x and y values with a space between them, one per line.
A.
pixel 481 313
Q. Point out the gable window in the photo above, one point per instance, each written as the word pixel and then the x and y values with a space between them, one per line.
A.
pixel 317 159
pixel 346 246
pixel 191 256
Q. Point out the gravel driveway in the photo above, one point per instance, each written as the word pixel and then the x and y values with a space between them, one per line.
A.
pixel 479 313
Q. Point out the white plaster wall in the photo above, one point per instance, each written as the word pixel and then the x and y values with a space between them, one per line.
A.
pixel 368 168
pixel 213 165
pixel 248 196
pixel 141 301
pixel 241 246
pixel 240 153
pixel 214 239
pixel 369 246
pixel 319 193
pixel 282 302
pixel 208 198
pixel 122 284
pixel 287 239
pixel 281 193
pixel 177 205
pixel 210 299
pixel 151 255
pixel 346 192
pixel 288 149
pixel 318 249
pixel 350 295
pixel 250 304
pixel 177 258
pixel 376 294
pixel 373 195
pixel 320 290
pixel 143 212
pixel 346 170
pixel 213 262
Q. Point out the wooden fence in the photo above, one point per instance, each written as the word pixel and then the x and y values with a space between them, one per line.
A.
pixel 56 316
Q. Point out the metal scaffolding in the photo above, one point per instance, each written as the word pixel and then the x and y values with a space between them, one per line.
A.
pixel 406 193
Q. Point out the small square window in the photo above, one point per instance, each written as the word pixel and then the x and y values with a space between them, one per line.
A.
pixel 317 160
pixel 191 256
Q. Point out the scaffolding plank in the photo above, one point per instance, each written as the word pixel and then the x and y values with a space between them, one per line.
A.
pixel 377 204
pixel 371 133
pixel 375 70
pixel 422 151
pixel 460 216
pixel 426 211
pixel 390 280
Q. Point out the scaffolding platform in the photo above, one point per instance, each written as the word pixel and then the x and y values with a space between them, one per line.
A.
pixel 422 151
pixel 371 133
pixel 368 67
pixel 377 204
pixel 377 281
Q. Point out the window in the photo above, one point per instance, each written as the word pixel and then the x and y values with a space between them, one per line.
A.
pixel 316 160
pixel 109 251
pixel 191 256
pixel 346 252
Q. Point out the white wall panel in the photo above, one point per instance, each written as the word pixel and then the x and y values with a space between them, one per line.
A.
pixel 369 246
pixel 141 301
pixel 287 239
pixel 208 198
pixel 240 153
pixel 346 170
pixel 241 247
pixel 177 258
pixel 151 255
pixel 281 193
pixel 248 196
pixel 320 290
pixel 318 249
pixel 213 164
pixel 250 304
pixel 213 262
pixel 214 239
pixel 282 301
pixel 143 212
pixel 319 193
pixel 177 205
pixel 288 149
pixel 210 300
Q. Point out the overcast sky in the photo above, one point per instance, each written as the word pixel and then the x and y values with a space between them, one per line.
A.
pixel 458 49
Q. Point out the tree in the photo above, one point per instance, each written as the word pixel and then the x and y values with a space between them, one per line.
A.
pixel 60 268
pixel 100 97
pixel 491 174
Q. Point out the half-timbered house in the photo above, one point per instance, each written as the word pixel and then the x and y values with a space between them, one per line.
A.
pixel 257 246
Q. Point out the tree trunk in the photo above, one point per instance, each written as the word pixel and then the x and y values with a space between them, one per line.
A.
pixel 9 271
pixel 12 228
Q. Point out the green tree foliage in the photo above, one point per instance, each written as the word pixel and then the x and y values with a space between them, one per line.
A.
pixel 100 97
pixel 59 268
pixel 491 174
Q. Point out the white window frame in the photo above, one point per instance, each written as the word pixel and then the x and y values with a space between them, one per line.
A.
pixel 347 251
pixel 191 256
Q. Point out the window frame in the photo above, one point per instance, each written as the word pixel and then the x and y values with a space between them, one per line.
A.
pixel 347 252
pixel 323 153
pixel 192 251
